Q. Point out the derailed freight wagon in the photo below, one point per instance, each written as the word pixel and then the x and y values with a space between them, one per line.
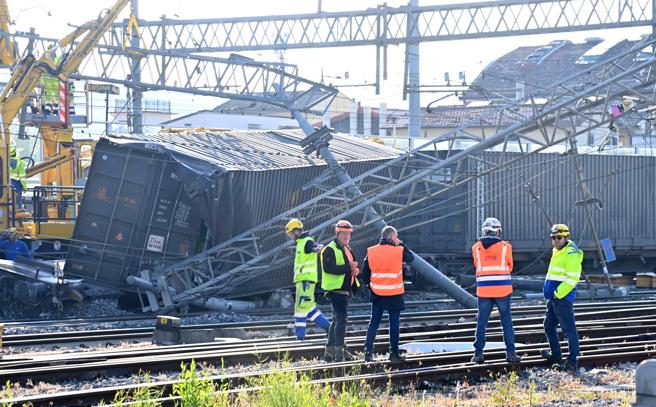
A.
pixel 154 200
pixel 445 228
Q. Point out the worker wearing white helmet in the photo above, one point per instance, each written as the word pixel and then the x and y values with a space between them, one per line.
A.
pixel 494 263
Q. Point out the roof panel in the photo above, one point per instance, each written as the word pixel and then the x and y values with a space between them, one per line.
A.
pixel 259 150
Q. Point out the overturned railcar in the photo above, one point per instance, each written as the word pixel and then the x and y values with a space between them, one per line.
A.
pixel 153 200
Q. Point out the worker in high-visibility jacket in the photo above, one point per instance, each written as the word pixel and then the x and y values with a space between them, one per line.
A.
pixel 18 173
pixel 50 96
pixel 306 270
pixel 383 272
pixel 560 291
pixel 494 262
pixel 339 279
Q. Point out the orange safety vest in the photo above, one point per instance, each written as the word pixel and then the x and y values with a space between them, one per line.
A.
pixel 493 268
pixel 349 256
pixel 386 265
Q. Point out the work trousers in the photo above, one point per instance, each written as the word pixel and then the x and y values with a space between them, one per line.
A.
pixel 561 312
pixel 18 192
pixel 485 306
pixel 374 323
pixel 305 307
pixel 337 329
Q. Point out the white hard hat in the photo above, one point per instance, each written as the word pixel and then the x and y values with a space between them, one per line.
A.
pixel 491 225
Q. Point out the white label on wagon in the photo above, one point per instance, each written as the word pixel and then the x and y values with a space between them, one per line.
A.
pixel 155 243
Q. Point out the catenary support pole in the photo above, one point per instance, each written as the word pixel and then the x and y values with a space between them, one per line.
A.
pixel 137 94
pixel 414 103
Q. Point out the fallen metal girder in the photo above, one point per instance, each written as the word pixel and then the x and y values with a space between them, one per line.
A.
pixel 385 25
pixel 235 77
pixel 402 181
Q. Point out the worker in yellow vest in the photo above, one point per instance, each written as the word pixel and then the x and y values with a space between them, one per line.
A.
pixel 494 262
pixel 383 271
pixel 339 278
pixel 560 291
pixel 306 267
pixel 18 173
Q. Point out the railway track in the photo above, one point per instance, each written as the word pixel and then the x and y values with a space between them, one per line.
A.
pixel 88 365
pixel 629 309
pixel 432 367
pixel 633 326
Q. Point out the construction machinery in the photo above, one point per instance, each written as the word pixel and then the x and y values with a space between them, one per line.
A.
pixel 52 70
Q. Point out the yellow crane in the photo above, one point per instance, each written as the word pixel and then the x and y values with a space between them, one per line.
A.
pixel 7 49
pixel 57 140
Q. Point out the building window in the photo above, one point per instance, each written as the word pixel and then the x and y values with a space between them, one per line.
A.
pixel 254 126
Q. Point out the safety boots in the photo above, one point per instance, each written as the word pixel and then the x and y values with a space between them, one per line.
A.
pixel 368 356
pixel 551 358
pixel 395 357
pixel 343 355
pixel 329 354
pixel 569 367
pixel 513 358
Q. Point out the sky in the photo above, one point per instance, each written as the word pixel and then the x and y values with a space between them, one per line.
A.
pixel 471 56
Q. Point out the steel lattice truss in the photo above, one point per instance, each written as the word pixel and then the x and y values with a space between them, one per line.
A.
pixel 261 253
pixel 387 25
pixel 235 77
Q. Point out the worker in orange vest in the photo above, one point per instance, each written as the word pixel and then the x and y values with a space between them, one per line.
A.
pixel 494 263
pixel 383 271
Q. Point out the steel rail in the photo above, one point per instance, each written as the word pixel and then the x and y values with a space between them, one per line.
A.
pixel 422 367
pixel 97 364
pixel 644 310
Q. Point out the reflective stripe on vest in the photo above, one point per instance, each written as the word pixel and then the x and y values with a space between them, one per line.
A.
pixel 386 265
pixel 330 282
pixel 492 270
pixel 305 264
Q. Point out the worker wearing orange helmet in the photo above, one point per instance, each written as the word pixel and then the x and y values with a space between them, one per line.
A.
pixel 306 267
pixel 339 277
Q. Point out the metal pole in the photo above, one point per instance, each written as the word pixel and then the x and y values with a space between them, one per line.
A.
pixel 107 113
pixel 414 104
pixel 137 94
pixel 432 274
pixel 587 196
pixel 23 111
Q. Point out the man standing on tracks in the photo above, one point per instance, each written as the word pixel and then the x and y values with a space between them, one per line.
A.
pixel 560 291
pixel 383 271
pixel 339 272
pixel 494 263
pixel 306 270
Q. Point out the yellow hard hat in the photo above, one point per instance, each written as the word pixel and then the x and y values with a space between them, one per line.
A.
pixel 293 224
pixel 343 226
pixel 559 230
pixel 12 150
pixel 12 230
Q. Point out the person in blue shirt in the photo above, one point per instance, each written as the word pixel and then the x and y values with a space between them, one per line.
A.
pixel 12 247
